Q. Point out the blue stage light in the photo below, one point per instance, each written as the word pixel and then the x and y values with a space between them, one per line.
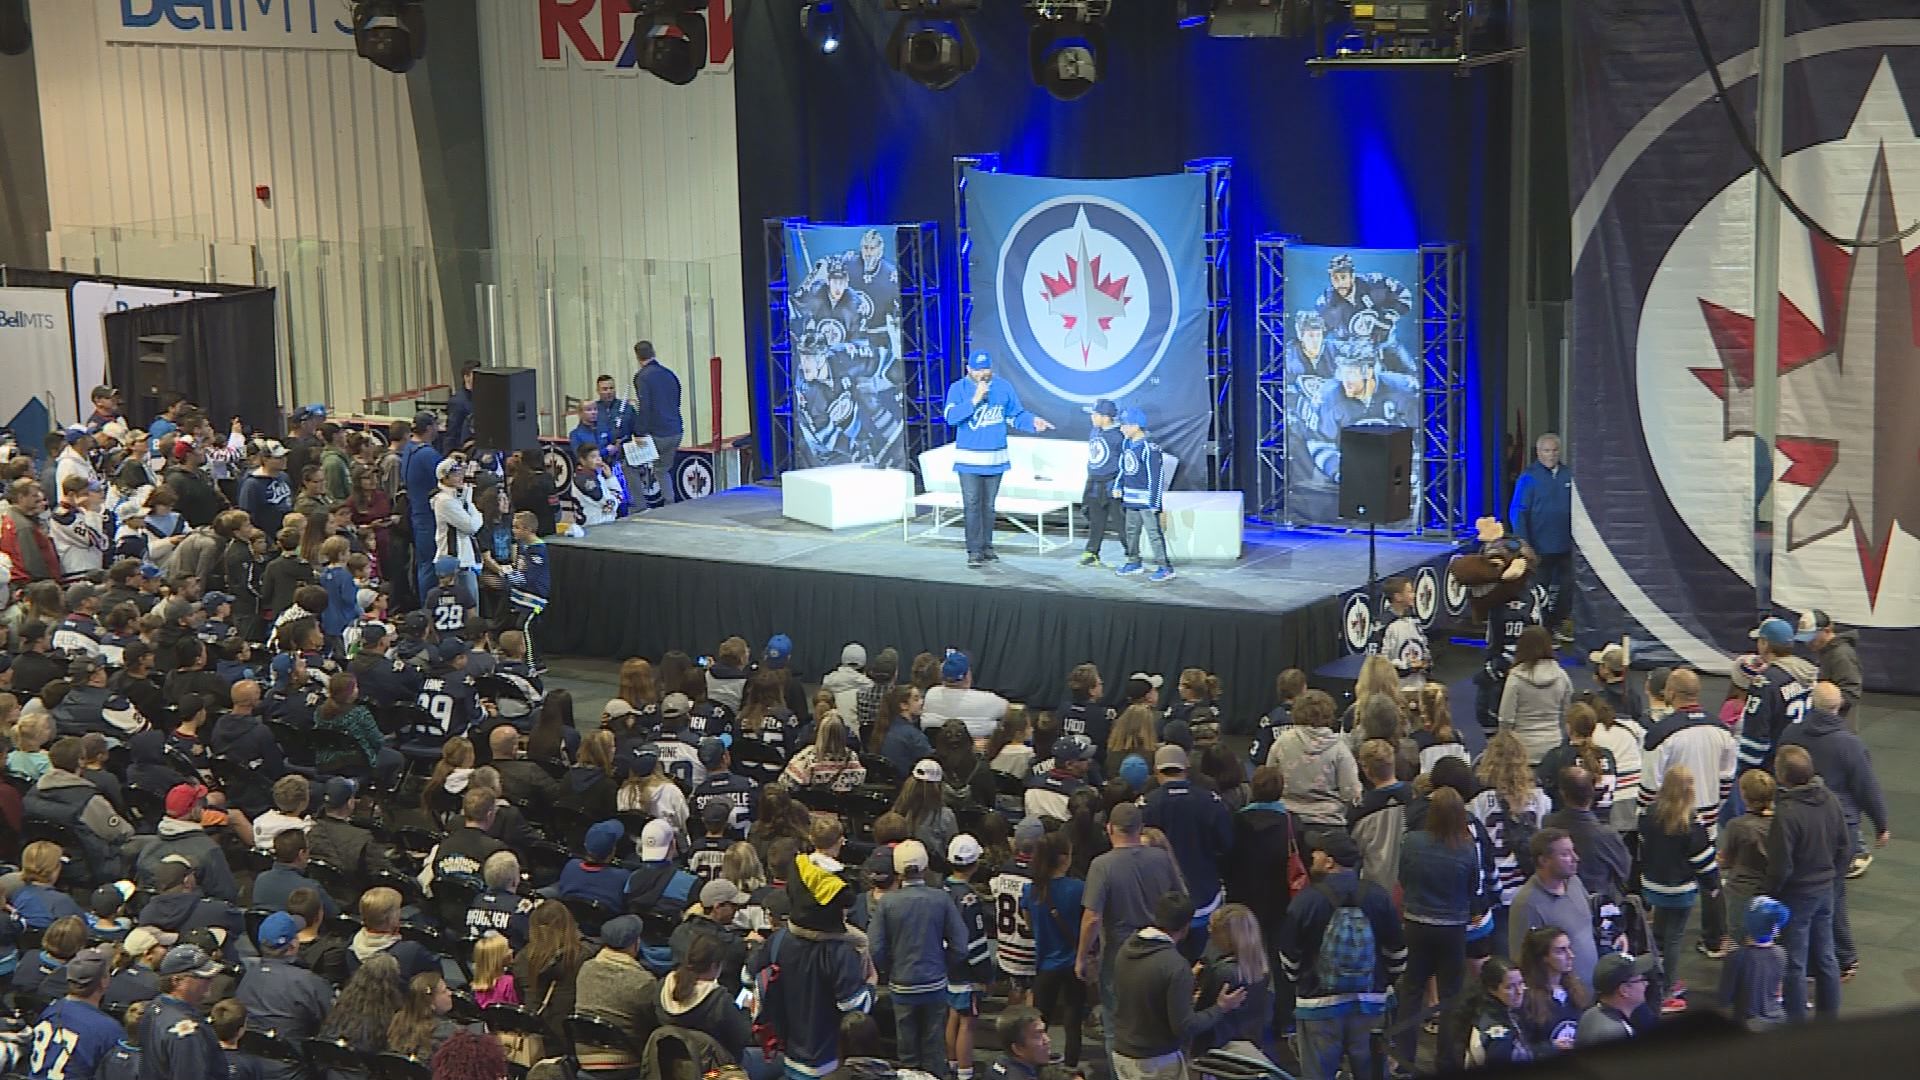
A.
pixel 820 20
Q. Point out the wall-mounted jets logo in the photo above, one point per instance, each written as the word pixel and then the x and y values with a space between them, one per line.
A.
pixel 1847 453
pixel 1356 621
pixel 1087 297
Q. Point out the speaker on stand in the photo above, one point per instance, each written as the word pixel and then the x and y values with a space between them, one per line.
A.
pixel 1376 485
pixel 505 414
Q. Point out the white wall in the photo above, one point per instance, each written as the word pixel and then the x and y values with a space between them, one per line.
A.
pixel 622 181
pixel 166 139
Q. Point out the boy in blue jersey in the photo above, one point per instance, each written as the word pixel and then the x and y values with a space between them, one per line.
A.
pixel 1103 464
pixel 981 410
pixel 967 981
pixel 529 579
pixel 1140 483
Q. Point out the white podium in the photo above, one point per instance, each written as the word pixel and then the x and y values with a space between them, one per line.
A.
pixel 846 496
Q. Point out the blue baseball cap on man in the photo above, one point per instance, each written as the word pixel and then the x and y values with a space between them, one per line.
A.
pixel 955 666
pixel 1774 632
pixel 979 362
pixel 779 649
pixel 278 930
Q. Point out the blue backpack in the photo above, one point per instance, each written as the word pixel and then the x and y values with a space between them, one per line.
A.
pixel 1347 949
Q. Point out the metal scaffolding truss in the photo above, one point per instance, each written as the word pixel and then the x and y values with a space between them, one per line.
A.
pixel 1439 452
pixel 926 365
pixel 1219 242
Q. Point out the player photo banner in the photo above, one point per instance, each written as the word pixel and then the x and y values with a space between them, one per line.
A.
pixel 844 323
pixel 1663 445
pixel 1353 360
pixel 1091 289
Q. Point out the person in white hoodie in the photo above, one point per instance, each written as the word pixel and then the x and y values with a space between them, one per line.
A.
pixel 1533 705
pixel 1321 781
pixel 455 523
pixel 846 681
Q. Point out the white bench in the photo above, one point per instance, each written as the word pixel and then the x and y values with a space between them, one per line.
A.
pixel 946 508
pixel 1045 469
pixel 845 496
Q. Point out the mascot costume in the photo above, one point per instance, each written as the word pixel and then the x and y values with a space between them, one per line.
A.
pixel 1498 572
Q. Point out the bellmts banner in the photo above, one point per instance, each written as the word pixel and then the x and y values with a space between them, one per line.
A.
pixel 1090 289
pixel 1663 449
pixel 39 363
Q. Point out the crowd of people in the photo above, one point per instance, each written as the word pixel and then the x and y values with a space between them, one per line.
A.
pixel 280 816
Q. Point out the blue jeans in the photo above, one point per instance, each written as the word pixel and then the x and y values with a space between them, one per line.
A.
pixel 977 492
pixel 1556 573
pixel 1808 939
pixel 921 1029
pixel 1325 1040
pixel 423 539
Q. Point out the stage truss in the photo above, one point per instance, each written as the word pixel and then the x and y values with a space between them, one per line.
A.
pixel 1439 452
pixel 926 365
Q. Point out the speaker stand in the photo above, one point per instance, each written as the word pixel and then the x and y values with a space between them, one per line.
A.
pixel 1373 570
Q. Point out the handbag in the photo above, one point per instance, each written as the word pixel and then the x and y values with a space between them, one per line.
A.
pixel 1298 880
pixel 523 1049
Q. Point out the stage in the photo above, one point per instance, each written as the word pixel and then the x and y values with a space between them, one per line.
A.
pixel 688 575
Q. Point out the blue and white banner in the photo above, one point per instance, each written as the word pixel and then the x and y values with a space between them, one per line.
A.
pixel 38 390
pixel 1090 289
pixel 843 317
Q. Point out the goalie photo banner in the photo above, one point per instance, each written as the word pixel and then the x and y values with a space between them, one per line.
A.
pixel 1091 289
pixel 843 318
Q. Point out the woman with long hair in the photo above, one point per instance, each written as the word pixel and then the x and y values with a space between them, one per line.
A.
pixel 741 865
pixel 764 715
pixel 545 970
pixel 492 982
pixel 1085 830
pixel 449 779
pixel 1581 749
pixel 1533 704
pixel 1052 905
pixel 829 762
pixel 647 789
pixel 923 803
pixel 1677 860
pixel 1196 707
pixel 530 487
pixel 781 817
pixel 421 1024
pixel 1377 678
pixel 1550 1013
pixel 554 736
pixel 1435 736
pixel 1444 888
pixel 691 997
pixel 639 686
pixel 1237 958
pixel 1511 807
pixel 1008 749
pixel 367 1005
pixel 344 711
pixel 671 674
pixel 925 673
pixel 1222 770
pixel 965 773
pixel 1622 737
pixel 896 733
pixel 373 516
pixel 1133 733
pixel 588 785
pixel 1492 1020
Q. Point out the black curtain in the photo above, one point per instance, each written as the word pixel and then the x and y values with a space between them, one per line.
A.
pixel 223 360
pixel 1022 643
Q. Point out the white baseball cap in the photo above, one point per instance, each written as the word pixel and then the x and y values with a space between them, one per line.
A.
pixel 964 850
pixel 656 840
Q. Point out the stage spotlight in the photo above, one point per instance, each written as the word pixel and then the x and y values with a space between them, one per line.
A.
pixel 391 33
pixel 820 21
pixel 1192 13
pixel 932 43
pixel 1066 48
pixel 672 38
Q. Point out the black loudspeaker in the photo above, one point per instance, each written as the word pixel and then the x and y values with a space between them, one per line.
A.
pixel 1376 474
pixel 504 414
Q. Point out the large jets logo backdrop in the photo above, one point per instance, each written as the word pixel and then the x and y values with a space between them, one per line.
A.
pixel 1090 289
pixel 1664 450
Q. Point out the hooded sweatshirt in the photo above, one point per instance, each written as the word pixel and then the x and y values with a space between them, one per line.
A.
pixel 75 801
pixel 1533 704
pixel 708 1010
pixel 1840 665
pixel 188 839
pixel 1808 847
pixel 1153 989
pixel 1321 778
pixel 1840 759
pixel 1776 700
pixel 412 956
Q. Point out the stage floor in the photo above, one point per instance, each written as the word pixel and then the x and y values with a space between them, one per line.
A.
pixel 1280 569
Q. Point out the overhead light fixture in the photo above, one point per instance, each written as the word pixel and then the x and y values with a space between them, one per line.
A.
pixel 1067 48
pixel 932 43
pixel 820 20
pixel 391 33
pixel 670 38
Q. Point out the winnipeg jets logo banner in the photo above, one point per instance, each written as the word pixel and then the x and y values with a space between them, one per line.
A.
pixel 1091 289
pixel 1664 445
pixel 843 318
pixel 1352 360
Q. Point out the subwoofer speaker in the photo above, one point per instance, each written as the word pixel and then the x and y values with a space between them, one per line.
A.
pixel 505 416
pixel 1376 474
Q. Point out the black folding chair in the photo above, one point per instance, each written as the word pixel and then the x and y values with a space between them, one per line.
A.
pixel 880 770
pixel 339 884
pixel 337 1057
pixel 388 1065
pixel 586 1029
pixel 269 1046
pixel 591 915
pixel 757 761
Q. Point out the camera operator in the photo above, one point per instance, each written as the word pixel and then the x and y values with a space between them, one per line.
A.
pixel 456 521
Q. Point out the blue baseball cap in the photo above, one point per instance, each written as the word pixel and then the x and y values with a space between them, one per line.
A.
pixel 1765 917
pixel 1133 418
pixel 955 666
pixel 1774 632
pixel 278 930
pixel 1105 407
pixel 446 566
pixel 604 837
pixel 979 361
pixel 149 570
pixel 779 649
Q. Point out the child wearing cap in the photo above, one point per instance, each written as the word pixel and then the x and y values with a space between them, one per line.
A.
pixel 1103 465
pixel 1751 980
pixel 967 981
pixel 1140 483
pixel 446 603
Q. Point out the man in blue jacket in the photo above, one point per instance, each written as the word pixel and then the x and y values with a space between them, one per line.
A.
pixel 1337 1020
pixel 656 402
pixel 419 473
pixel 1840 758
pixel 1542 515
pixel 982 410
pixel 916 937
pixel 1200 830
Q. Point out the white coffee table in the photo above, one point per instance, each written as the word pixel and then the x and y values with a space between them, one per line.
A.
pixel 946 509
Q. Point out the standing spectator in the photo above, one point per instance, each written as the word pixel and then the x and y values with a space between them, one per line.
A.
pixel 1837 654
pixel 1776 693
pixel 1533 704
pixel 1743 843
pixel 265 494
pixel 419 477
pixel 24 541
pixel 1444 888
pixel 1052 906
pixel 1123 885
pixel 1582 750
pixel 821 979
pixel 1542 515
pixel 916 936
pixel 1320 777
pixel 1154 998
pixel 1807 856
pixel 1753 978
pixel 1199 827
pixel 1511 807
pixel 1343 947
pixel 1264 837
pixel 1099 501
pixel 1621 736
pixel 1688 737
pixel 1678 864
pixel 1554 897
pixel 456 522
pixel 656 400
pixel 1237 958
pixel 1605 864
pixel 1610 672
pixel 1379 821
pixel 1493 1013
pixel 1550 1013
pixel 1840 759
pixel 1620 988
pixel 460 408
